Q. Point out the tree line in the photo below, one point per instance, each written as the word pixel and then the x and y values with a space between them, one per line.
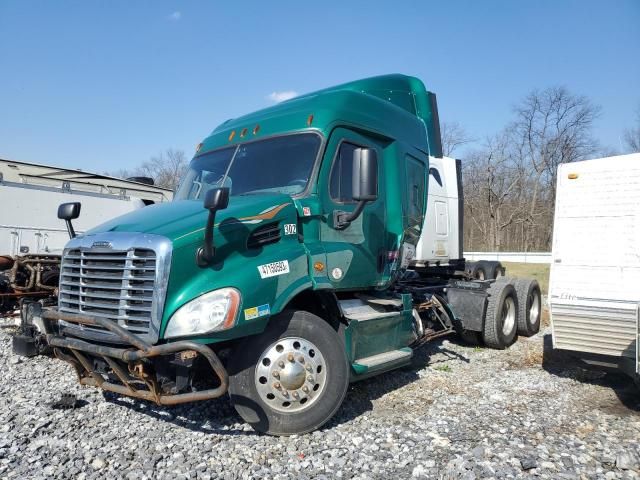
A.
pixel 509 178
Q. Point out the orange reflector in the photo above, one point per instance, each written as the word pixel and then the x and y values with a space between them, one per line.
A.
pixel 318 266
pixel 309 120
pixel 243 132
pixel 572 176
pixel 232 134
pixel 256 129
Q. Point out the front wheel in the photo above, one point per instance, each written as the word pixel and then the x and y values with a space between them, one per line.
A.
pixel 292 378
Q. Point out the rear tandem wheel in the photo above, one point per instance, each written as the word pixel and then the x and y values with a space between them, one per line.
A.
pixel 501 319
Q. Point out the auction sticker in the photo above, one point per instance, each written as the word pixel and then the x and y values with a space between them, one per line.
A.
pixel 255 312
pixel 273 269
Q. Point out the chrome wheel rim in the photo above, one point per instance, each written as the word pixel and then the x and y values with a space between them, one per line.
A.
pixel 508 316
pixel 534 308
pixel 290 375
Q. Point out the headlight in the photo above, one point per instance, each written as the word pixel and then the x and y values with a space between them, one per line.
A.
pixel 211 312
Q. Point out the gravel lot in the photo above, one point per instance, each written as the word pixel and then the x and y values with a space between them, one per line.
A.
pixel 459 412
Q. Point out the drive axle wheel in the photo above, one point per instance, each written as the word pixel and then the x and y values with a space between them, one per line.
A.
pixel 292 378
pixel 500 324
pixel 530 303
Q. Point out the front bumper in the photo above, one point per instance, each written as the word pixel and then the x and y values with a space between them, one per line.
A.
pixel 137 379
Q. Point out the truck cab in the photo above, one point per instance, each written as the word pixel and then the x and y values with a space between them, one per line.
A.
pixel 283 266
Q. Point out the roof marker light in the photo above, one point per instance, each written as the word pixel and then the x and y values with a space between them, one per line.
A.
pixel 243 132
pixel 256 129
pixel 198 147
pixel 309 120
pixel 572 176
pixel 232 134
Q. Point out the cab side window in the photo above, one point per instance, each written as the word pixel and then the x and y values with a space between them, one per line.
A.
pixel 340 187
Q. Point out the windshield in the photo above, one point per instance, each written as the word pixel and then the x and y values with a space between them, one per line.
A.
pixel 280 164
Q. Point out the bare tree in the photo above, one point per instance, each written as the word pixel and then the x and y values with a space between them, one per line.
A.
pixel 492 183
pixel 632 135
pixel 510 182
pixel 167 169
pixel 552 126
pixel 453 136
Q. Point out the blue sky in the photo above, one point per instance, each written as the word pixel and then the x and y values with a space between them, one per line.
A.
pixel 105 85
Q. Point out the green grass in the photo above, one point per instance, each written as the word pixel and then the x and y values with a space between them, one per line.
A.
pixel 539 271
pixel 443 368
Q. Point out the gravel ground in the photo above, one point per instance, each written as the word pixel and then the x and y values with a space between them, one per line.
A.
pixel 458 412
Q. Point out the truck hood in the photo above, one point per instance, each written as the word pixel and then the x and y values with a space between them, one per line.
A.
pixel 183 219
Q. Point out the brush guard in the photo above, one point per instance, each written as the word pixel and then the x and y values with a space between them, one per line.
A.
pixel 74 351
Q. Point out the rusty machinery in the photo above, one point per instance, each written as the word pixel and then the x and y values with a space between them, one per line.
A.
pixel 27 276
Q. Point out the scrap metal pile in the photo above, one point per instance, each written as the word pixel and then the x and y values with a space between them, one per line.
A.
pixel 28 276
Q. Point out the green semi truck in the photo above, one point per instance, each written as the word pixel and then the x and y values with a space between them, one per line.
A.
pixel 310 244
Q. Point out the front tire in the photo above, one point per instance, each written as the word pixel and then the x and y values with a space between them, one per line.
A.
pixel 292 378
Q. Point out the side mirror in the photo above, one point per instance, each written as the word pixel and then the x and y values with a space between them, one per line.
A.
pixel 364 186
pixel 365 175
pixel 214 200
pixel 68 212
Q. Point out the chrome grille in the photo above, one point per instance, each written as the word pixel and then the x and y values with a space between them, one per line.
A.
pixel 125 282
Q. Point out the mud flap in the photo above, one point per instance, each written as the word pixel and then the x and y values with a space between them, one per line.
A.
pixel 468 302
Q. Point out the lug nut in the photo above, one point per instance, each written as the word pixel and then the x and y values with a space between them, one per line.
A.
pixel 301 359
pixel 285 393
pixel 309 368
pixel 276 385
pixel 310 379
pixel 305 389
pixel 290 357
pixel 295 394
pixel 276 374
pixel 281 364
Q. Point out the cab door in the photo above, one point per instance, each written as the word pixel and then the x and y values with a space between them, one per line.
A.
pixel 355 255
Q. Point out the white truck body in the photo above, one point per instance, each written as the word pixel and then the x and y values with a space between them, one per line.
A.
pixel 440 237
pixel 30 195
pixel 594 291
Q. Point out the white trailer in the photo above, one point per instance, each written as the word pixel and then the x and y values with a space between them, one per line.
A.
pixel 30 195
pixel 594 291
pixel 441 235
pixel 31 235
pixel 441 242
